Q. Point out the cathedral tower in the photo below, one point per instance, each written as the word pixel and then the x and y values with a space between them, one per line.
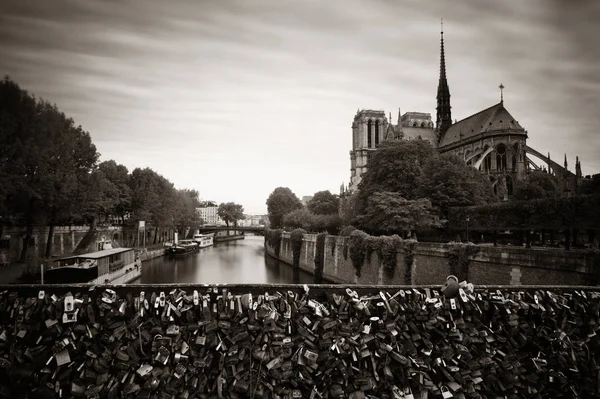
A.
pixel 444 116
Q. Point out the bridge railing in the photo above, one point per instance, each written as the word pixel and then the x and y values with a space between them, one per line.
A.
pixel 313 340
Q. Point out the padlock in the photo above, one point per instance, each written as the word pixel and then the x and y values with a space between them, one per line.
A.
pixel 450 287
pixel 446 392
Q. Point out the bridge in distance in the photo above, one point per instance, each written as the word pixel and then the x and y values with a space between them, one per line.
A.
pixel 249 229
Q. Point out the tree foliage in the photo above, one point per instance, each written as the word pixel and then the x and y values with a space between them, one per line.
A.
pixel 389 213
pixel 555 213
pixel 447 181
pixel 49 174
pixel 230 212
pixel 281 201
pixel 591 185
pixel 305 219
pixel 395 167
pixel 323 203
pixel 536 185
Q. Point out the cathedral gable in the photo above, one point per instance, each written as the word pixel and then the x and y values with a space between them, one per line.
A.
pixel 493 119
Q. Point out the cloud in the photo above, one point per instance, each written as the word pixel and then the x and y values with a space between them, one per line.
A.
pixel 236 98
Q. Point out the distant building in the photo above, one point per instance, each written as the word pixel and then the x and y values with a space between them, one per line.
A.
pixel 306 199
pixel 209 215
pixel 491 140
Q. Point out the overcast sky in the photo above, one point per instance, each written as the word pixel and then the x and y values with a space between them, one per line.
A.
pixel 237 97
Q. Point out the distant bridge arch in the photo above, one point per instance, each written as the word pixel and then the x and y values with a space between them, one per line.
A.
pixel 250 229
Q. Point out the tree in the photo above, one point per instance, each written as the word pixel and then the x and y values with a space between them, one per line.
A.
pixel 536 185
pixel 187 215
pixel 230 212
pixel 43 158
pixel 299 218
pixel 389 212
pixel 447 181
pixel 395 167
pixel 591 185
pixel 323 203
pixel 281 201
pixel 118 175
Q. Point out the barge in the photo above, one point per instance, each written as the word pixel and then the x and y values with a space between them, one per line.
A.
pixel 109 266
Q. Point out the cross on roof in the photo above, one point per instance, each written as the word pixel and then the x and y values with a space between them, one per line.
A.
pixel 501 87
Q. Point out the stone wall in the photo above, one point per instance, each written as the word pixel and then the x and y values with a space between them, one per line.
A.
pixel 431 264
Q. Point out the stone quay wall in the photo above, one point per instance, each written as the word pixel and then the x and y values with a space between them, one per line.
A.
pixel 294 341
pixel 430 264
pixel 64 241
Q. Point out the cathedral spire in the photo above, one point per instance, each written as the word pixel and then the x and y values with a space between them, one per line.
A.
pixel 444 116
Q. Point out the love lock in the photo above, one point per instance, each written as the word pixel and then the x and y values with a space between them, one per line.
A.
pixel 450 287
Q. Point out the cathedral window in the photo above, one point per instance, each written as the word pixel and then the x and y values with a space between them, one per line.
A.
pixel 369 129
pixel 514 162
pixel 509 185
pixel 487 163
pixel 501 163
pixel 376 133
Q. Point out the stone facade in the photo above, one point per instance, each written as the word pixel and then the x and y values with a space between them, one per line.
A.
pixel 491 140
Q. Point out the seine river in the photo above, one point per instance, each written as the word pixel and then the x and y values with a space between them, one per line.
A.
pixel 233 262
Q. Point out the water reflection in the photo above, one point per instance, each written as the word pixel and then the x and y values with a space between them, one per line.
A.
pixel 234 262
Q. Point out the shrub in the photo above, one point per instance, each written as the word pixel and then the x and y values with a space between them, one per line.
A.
pixel 409 247
pixel 459 256
pixel 273 238
pixel 296 240
pixel 357 249
pixel 320 257
pixel 346 231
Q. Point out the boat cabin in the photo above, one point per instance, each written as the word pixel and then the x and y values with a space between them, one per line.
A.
pixel 88 267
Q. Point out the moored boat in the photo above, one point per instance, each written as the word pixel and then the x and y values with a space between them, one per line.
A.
pixel 109 266
pixel 204 240
pixel 183 247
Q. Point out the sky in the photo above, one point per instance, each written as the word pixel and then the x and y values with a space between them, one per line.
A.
pixel 237 97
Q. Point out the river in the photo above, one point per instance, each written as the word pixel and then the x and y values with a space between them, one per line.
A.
pixel 234 262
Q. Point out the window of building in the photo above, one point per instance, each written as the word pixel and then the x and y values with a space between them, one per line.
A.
pixel 501 157
pixel 509 185
pixel 487 163
pixel 514 162
pixel 376 133
pixel 369 125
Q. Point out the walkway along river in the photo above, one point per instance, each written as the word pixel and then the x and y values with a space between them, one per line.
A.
pixel 234 262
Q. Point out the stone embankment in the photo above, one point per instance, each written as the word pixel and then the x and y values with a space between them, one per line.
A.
pixel 367 261
pixel 298 342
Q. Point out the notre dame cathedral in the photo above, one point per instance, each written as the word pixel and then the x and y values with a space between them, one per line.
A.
pixel 491 140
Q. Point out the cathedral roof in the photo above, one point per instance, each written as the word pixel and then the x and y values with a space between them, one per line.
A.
pixel 411 133
pixel 493 119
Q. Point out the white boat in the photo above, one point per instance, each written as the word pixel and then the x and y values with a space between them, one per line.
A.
pixel 109 266
pixel 204 240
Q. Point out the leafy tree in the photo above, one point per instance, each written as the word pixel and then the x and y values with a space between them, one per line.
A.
pixel 281 201
pixel 389 212
pixel 299 218
pixel 230 212
pixel 43 159
pixel 118 175
pixel 591 185
pixel 536 185
pixel 305 219
pixel 186 212
pixel 323 203
pixel 395 167
pixel 447 181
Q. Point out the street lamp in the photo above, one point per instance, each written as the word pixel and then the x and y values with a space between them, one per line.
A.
pixel 468 219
